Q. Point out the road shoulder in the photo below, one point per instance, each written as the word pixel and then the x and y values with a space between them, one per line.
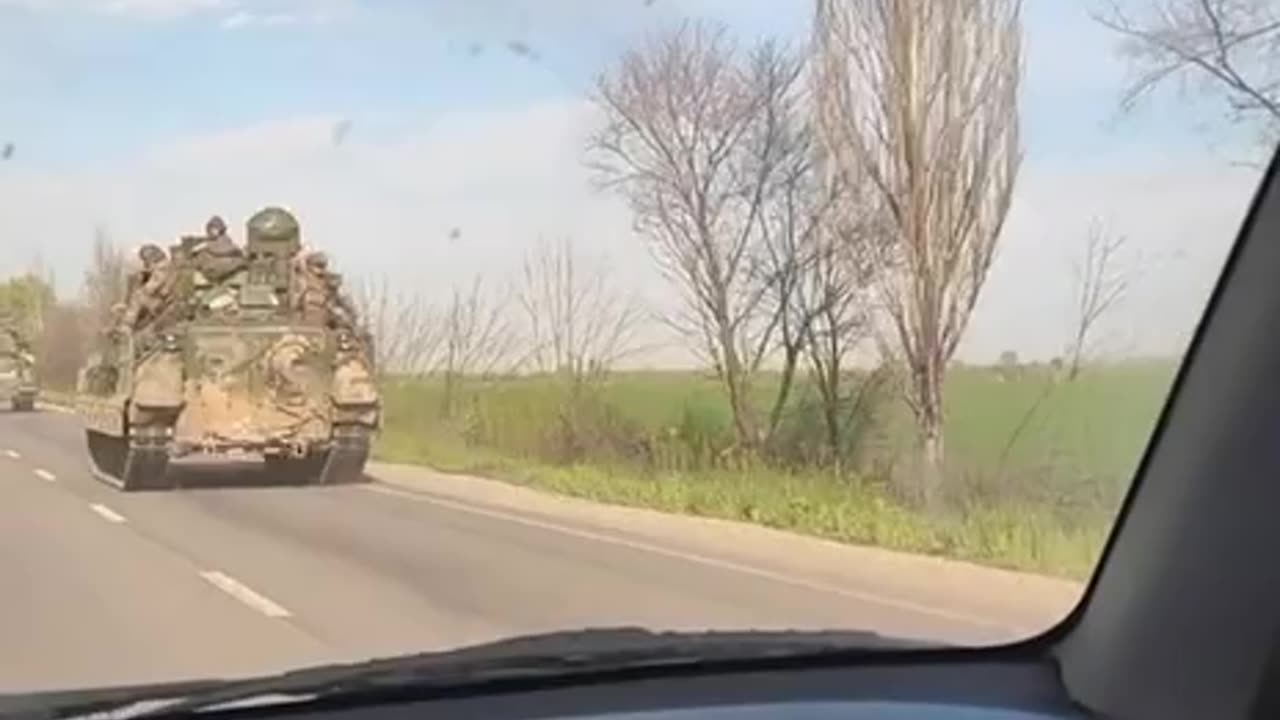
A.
pixel 1023 602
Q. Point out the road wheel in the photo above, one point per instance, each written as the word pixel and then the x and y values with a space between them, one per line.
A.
pixel 347 455
pixel 146 463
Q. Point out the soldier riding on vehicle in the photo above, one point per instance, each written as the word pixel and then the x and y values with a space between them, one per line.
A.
pixel 149 287
pixel 321 300
pixel 217 256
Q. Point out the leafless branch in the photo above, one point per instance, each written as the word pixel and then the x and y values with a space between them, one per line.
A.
pixel 104 280
pixel 919 101
pixel 406 329
pixel 579 324
pixel 1232 47
pixel 693 139
pixel 477 337
pixel 1100 285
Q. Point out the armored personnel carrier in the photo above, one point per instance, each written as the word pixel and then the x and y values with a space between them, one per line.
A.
pixel 228 363
pixel 17 370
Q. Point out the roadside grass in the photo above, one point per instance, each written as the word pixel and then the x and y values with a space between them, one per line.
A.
pixel 1037 467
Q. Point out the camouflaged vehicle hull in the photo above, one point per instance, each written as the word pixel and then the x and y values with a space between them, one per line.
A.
pixel 17 388
pixel 289 394
pixel 17 382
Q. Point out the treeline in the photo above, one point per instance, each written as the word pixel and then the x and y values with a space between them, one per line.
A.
pixel 804 203
pixel 63 328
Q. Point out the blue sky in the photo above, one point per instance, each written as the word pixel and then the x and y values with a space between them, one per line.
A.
pixel 137 114
pixel 150 74
pixel 169 69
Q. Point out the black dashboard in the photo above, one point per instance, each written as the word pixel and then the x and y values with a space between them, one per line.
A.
pixel 960 691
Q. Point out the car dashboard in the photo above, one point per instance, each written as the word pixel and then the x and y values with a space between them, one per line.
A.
pixel 945 691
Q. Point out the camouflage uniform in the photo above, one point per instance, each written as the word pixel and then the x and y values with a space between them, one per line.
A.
pixel 313 296
pixel 117 314
pixel 341 310
pixel 218 257
pixel 150 287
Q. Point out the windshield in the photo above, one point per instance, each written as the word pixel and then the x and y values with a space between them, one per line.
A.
pixel 849 316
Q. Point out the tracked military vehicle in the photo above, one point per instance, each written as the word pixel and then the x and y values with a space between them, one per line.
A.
pixel 227 362
pixel 17 370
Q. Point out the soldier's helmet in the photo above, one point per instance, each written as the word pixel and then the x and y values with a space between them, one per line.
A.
pixel 273 223
pixel 215 226
pixel 274 226
pixel 317 260
pixel 151 254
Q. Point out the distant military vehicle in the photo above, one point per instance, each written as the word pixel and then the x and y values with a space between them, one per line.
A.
pixel 17 370
pixel 229 361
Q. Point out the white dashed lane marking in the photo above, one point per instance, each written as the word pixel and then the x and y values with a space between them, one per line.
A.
pixel 244 594
pixel 107 513
pixel 12 454
pixel 45 475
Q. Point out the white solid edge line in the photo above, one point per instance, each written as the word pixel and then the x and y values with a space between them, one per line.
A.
pixel 241 592
pixel 784 578
pixel 45 475
pixel 13 454
pixel 107 513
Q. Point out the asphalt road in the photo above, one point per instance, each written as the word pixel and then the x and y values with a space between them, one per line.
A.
pixel 221 579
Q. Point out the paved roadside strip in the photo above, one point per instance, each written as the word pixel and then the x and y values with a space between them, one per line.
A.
pixel 1022 603
pixel 1019 603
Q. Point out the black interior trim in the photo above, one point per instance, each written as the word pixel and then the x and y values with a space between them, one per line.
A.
pixel 1182 614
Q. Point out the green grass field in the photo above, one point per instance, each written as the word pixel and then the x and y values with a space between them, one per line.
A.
pixel 1036 467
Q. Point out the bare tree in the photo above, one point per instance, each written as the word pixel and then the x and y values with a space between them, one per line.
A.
pixel 406 329
pixel 811 261
pixel 476 338
pixel 1100 285
pixel 840 322
pixel 580 325
pixel 104 280
pixel 690 140
pixel 63 346
pixel 1230 46
pixel 920 100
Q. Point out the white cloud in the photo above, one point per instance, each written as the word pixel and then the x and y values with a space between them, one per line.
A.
pixel 388 205
pixel 1179 209
pixel 380 206
pixel 314 13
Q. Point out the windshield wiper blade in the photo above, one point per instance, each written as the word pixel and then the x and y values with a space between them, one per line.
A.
pixel 528 657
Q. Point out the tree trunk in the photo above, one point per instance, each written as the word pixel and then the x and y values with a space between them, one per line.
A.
pixel 792 356
pixel 1077 355
pixel 446 400
pixel 932 462
pixel 739 405
pixel 932 471
pixel 831 417
pixel 735 381
pixel 829 389
pixel 1074 370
